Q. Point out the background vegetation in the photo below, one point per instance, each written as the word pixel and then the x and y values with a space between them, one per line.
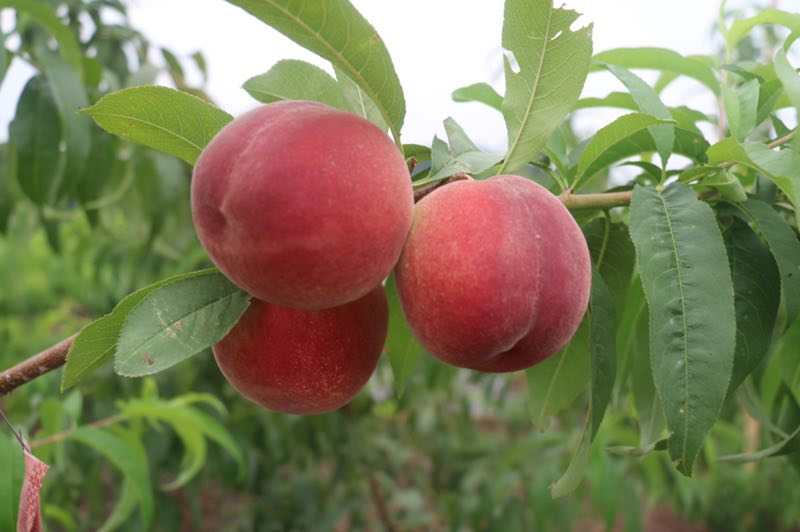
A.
pixel 86 218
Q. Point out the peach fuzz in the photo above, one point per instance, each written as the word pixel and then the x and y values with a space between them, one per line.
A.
pixel 495 275
pixel 302 205
pixel 304 362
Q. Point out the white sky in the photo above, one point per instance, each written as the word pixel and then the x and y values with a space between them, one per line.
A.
pixel 436 45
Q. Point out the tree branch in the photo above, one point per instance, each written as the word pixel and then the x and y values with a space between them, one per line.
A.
pixel 379 501
pixel 51 358
pixel 604 200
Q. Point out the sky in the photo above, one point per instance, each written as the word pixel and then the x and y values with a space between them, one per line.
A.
pixel 436 45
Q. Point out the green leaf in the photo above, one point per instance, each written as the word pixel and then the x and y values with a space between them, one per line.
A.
pixel 572 477
pixel 785 354
pixel 685 117
pixel 785 248
pixel 192 426
pixel 201 64
pixel 402 346
pixel 788 77
pixel 481 93
pixel 336 31
pixel 8 192
pixel 463 156
pixel 780 166
pixel 36 138
pixel 552 62
pixel 756 285
pixel 648 102
pixel 613 254
pixel 602 326
pixel 69 96
pixel 95 344
pixel 556 382
pixel 633 344
pixel 45 15
pixel 101 167
pixel 769 95
pixel 296 80
pixel 740 28
pixel 457 138
pixel 727 184
pixel 358 102
pixel 687 281
pixel 176 321
pixel 217 433
pixel 617 100
pixel 659 59
pixel 12 464
pixel 782 447
pixel 606 139
pixel 603 372
pixel 128 458
pixel 174 67
pixel 123 508
pixel 741 107
pixel 174 122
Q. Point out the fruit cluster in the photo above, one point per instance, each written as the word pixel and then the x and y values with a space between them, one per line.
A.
pixel 308 209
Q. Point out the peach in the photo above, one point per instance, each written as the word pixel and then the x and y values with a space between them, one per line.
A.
pixel 304 361
pixel 495 274
pixel 302 205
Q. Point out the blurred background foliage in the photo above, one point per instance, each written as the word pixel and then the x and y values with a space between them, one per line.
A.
pixel 182 451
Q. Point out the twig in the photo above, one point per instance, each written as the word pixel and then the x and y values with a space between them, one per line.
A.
pixel 63 435
pixel 603 200
pixel 380 503
pixel 427 189
pixel 51 358
pixel 780 141
pixel 14 431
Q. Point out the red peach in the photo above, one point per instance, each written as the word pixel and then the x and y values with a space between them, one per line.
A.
pixel 301 204
pixel 495 274
pixel 304 361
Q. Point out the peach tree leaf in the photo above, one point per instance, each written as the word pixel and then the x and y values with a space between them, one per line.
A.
pixel 741 107
pixel 402 346
pixel 45 15
pixel 648 101
pixel 756 285
pixel 557 381
pixel 481 93
pixel 96 342
pixel 336 31
pixel 291 79
pixel 70 96
pixel 595 156
pixel 176 321
pixel 552 62
pixel 128 456
pixel 687 283
pixel 785 248
pixel 36 137
pixel 358 102
pixel 740 28
pixel 602 351
pixel 660 59
pixel 174 122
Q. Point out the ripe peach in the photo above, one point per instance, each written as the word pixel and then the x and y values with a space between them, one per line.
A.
pixel 304 361
pixel 301 204
pixel 495 274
